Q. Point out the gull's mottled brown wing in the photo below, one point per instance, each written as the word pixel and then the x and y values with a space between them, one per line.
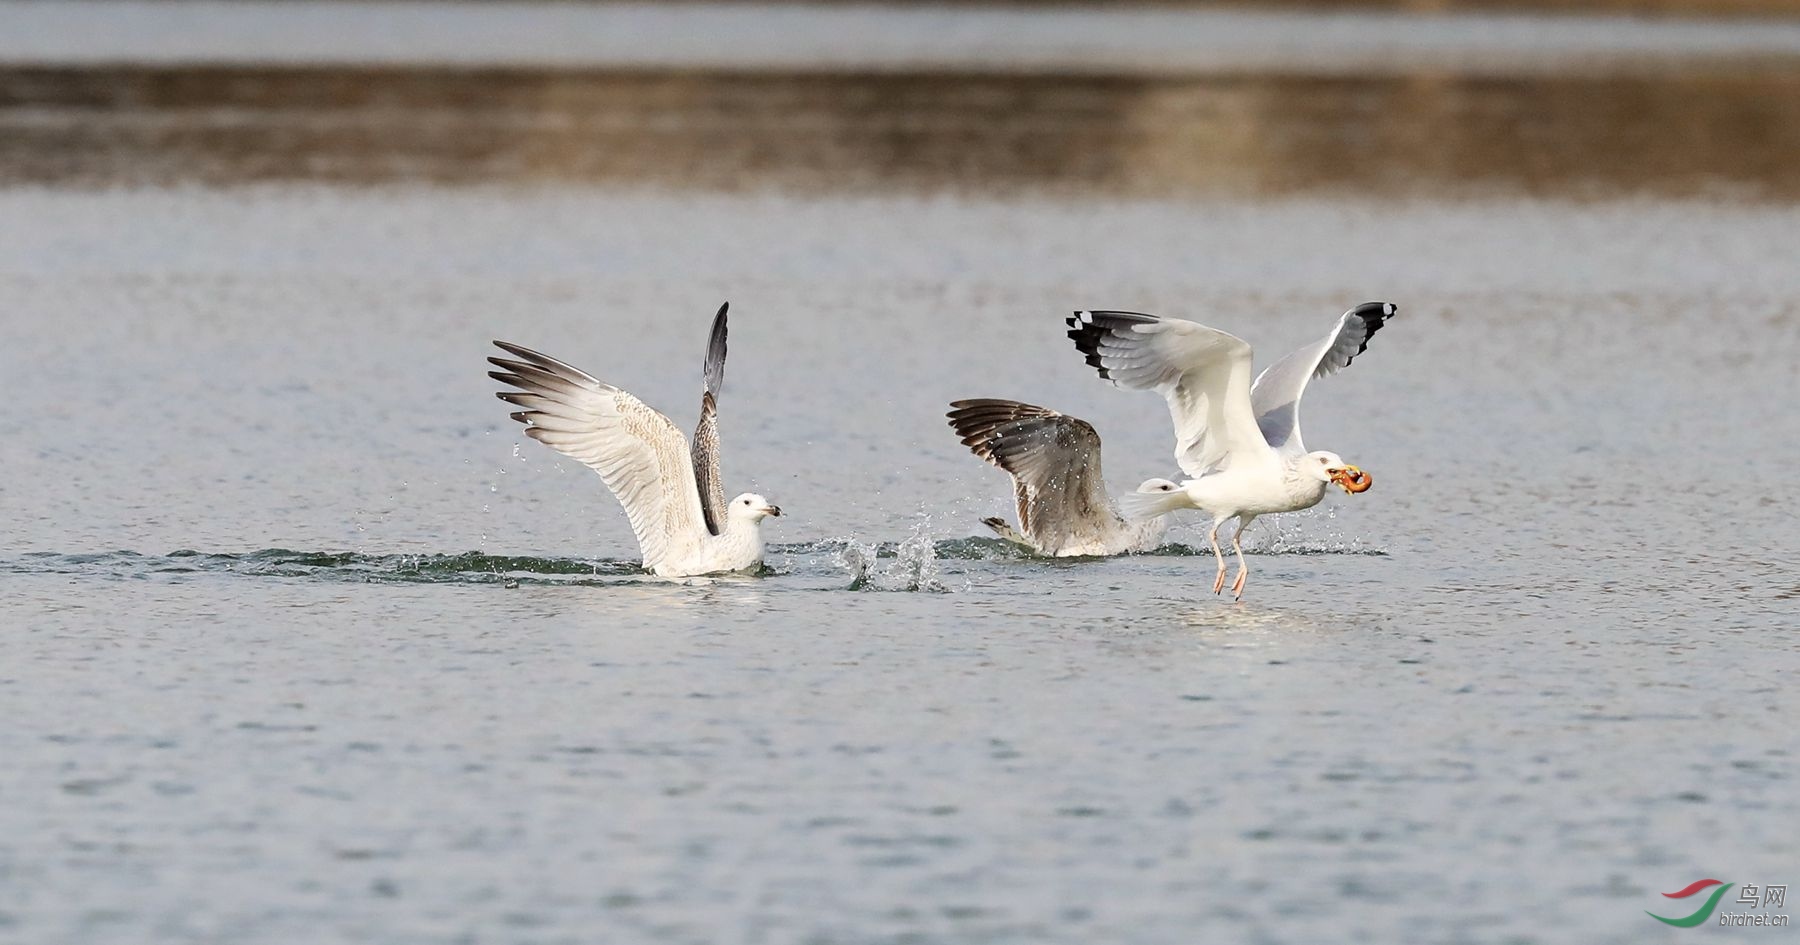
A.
pixel 1054 460
pixel 706 450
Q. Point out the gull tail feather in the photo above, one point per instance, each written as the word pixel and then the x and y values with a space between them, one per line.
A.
pixel 1142 506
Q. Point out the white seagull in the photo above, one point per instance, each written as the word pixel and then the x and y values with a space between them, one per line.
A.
pixel 1240 441
pixel 672 495
pixel 1054 461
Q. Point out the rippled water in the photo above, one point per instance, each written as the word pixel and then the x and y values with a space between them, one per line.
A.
pixel 301 641
pixel 303 635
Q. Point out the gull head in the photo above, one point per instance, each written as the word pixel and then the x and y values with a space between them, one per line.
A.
pixel 1154 486
pixel 1327 466
pixel 752 508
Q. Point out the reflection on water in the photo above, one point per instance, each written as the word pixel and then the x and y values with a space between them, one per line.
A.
pixel 1713 7
pixel 1678 133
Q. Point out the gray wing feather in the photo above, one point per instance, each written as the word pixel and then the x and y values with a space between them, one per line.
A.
pixel 1054 460
pixel 1203 374
pixel 706 449
pixel 1275 397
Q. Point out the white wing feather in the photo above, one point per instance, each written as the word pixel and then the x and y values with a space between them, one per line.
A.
pixel 639 453
pixel 1276 395
pixel 1202 372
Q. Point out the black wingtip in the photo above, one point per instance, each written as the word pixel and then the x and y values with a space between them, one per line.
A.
pixel 1086 335
pixel 1088 327
pixel 1373 315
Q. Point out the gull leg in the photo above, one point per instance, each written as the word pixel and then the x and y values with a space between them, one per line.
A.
pixel 1218 583
pixel 1237 586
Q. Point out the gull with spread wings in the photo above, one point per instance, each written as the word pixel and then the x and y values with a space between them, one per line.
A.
pixel 1240 441
pixel 1054 461
pixel 672 493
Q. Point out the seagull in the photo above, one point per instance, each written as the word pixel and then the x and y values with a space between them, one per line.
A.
pixel 1054 461
pixel 673 496
pixel 1240 441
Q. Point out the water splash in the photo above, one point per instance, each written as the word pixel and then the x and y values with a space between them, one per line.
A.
pixel 913 563
pixel 1314 532
pixel 958 549
pixel 858 558
pixel 916 561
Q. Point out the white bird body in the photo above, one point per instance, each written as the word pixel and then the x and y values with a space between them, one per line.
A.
pixel 1238 439
pixel 1054 461
pixel 1262 489
pixel 682 528
pixel 739 547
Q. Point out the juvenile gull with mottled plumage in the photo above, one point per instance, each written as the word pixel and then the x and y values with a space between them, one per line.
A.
pixel 1054 461
pixel 672 494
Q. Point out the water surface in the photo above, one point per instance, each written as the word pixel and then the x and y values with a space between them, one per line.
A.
pixel 303 635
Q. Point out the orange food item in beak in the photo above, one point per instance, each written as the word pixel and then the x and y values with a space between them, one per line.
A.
pixel 1354 480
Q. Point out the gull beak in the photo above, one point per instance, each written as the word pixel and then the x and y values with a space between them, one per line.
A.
pixel 1353 480
pixel 773 510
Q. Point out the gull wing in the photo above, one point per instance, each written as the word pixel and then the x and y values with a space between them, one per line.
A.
pixel 1202 372
pixel 706 434
pixel 1276 394
pixel 639 453
pixel 1054 461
